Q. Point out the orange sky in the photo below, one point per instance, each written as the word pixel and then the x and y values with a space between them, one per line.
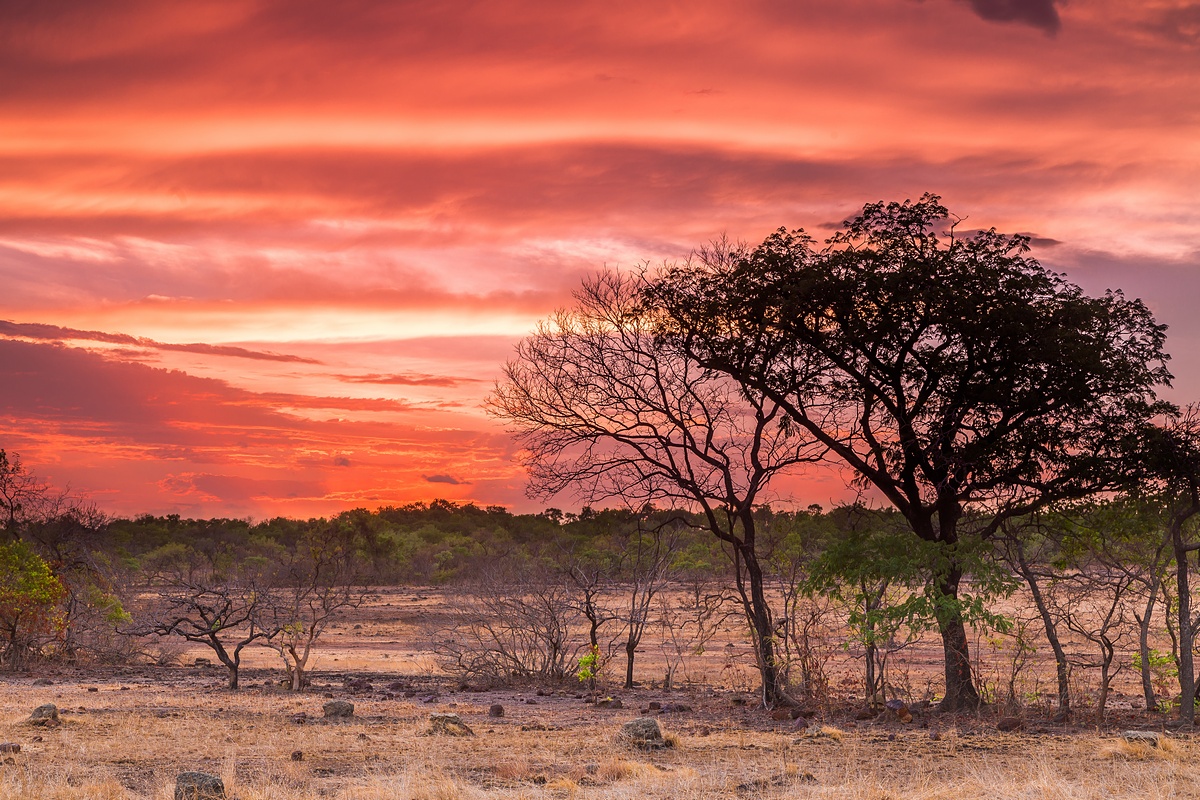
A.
pixel 265 258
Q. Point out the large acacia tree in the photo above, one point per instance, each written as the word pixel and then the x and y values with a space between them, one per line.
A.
pixel 601 408
pixel 952 374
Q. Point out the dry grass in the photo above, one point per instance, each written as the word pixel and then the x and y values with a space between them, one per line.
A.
pixel 131 744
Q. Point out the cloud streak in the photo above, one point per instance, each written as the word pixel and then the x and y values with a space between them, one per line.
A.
pixel 35 330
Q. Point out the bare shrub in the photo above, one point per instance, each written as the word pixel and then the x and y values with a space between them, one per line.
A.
pixel 518 625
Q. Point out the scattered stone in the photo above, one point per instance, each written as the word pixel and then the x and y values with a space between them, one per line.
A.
pixel 198 786
pixel 93 689
pixel 43 682
pixel 448 725
pixel 901 711
pixel 328 694
pixel 609 702
pixel 297 755
pixel 359 685
pixel 654 705
pixel 540 692
pixel 531 702
pixel 496 710
pixel 1151 738
pixel 644 732
pixel 338 709
pixel 9 747
pixel 44 715
pixel 891 737
pixel 1010 724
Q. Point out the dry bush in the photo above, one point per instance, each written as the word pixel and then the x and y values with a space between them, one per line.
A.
pixel 505 627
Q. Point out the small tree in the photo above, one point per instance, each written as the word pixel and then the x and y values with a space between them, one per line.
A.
pixel 315 587
pixel 225 608
pixel 30 603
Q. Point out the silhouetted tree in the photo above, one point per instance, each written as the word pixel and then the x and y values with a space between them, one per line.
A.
pixel 948 373
pixel 600 407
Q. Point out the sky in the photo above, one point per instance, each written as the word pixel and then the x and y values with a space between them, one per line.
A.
pixel 266 258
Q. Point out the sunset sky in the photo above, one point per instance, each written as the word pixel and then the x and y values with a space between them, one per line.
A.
pixel 264 258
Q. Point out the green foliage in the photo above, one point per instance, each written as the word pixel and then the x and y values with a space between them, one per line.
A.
pixel 30 594
pixel 588 667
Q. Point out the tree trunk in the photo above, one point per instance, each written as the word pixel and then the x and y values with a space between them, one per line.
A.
pixel 1060 657
pixel 1144 645
pixel 960 687
pixel 774 692
pixel 1183 601
pixel 630 648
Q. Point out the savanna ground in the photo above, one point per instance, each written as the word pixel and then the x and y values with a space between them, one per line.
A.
pixel 126 732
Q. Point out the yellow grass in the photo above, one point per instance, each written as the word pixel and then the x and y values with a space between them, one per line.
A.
pixel 131 744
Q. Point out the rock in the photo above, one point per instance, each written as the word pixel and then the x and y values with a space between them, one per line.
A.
pixel 43 682
pixel 9 747
pixel 1151 738
pixel 397 686
pixel 297 755
pixel 496 710
pixel 338 709
pixel 654 705
pixel 200 662
pixel 531 702
pixel 676 708
pixel 901 711
pixel 934 736
pixel 359 685
pixel 93 689
pixel 300 718
pixel 44 715
pixel 448 725
pixel 1009 724
pixel 198 786
pixel 644 732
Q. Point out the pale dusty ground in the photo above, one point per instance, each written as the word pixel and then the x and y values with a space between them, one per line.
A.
pixel 130 742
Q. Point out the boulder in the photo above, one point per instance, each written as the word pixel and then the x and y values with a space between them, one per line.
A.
pixel 901 711
pixel 496 710
pixel 43 682
pixel 198 786
pixel 1152 738
pixel 644 732
pixel 338 709
pixel 44 715
pixel 448 725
